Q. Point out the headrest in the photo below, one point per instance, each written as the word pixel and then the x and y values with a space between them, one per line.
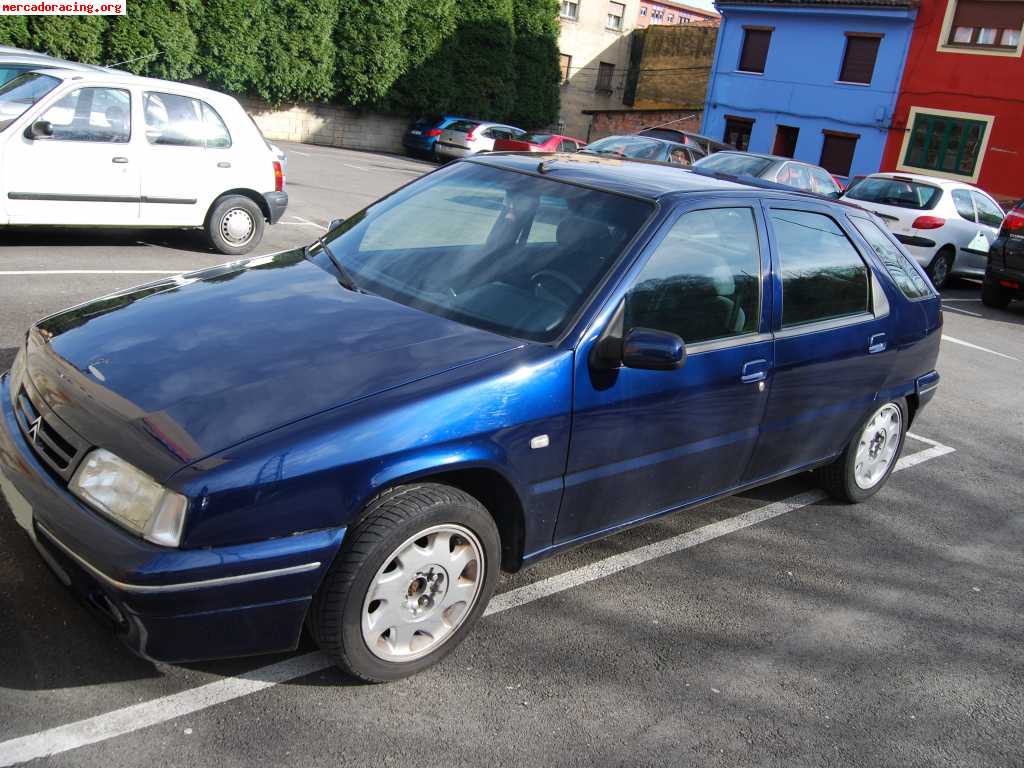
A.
pixel 577 229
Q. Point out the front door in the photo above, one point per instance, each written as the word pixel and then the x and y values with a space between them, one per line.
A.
pixel 86 172
pixel 645 442
pixel 832 350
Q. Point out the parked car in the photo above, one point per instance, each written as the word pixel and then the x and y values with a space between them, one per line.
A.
pixel 116 150
pixel 705 144
pixel 1004 275
pixel 645 148
pixel 14 61
pixel 540 142
pixel 470 137
pixel 501 361
pixel 779 170
pixel 422 135
pixel 948 226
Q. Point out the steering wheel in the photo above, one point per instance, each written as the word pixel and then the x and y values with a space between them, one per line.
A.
pixel 569 292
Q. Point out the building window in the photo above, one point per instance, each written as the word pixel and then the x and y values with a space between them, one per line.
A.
pixel 945 144
pixel 755 49
pixel 564 62
pixel 859 59
pixel 657 14
pixel 615 13
pixel 671 18
pixel 605 71
pixel 737 132
pixel 570 10
pixel 643 10
pixel 785 140
pixel 837 152
pixel 986 24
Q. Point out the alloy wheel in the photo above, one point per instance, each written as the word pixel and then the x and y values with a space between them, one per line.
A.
pixel 877 446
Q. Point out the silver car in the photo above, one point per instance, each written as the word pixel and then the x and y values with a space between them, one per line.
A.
pixel 469 137
pixel 14 61
pixel 946 225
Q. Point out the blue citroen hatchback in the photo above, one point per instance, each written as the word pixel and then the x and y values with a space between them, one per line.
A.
pixel 507 357
pixel 421 137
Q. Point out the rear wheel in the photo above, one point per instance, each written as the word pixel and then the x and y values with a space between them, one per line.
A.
pixel 941 267
pixel 863 468
pixel 235 225
pixel 994 295
pixel 413 577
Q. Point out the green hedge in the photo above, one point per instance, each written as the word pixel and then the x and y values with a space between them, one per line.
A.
pixel 494 59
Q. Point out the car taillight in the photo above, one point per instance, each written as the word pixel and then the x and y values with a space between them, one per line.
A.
pixel 928 222
pixel 278 177
pixel 1014 221
pixel 470 136
pixel 432 133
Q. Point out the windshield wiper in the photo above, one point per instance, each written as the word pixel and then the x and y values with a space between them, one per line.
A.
pixel 344 276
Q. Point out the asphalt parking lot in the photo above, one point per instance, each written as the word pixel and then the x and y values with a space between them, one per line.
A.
pixel 776 628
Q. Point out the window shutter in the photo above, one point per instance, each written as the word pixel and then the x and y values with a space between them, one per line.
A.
pixel 859 61
pixel 988 13
pixel 755 49
pixel 837 153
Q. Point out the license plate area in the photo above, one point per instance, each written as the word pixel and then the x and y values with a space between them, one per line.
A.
pixel 19 505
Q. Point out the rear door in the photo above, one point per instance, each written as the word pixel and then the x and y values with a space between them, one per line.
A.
pixel 990 219
pixel 87 172
pixel 189 159
pixel 832 349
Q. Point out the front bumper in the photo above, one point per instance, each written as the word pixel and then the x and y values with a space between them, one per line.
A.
pixel 166 604
pixel 277 202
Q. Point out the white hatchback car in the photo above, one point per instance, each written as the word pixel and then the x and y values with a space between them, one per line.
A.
pixel 470 137
pixel 946 225
pixel 115 150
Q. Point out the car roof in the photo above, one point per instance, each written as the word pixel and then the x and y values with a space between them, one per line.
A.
pixel 115 77
pixel 650 180
pixel 641 136
pixel 933 180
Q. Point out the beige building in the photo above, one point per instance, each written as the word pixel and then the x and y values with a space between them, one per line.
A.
pixel 595 47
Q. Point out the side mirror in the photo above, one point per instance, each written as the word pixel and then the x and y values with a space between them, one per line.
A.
pixel 335 223
pixel 652 350
pixel 40 129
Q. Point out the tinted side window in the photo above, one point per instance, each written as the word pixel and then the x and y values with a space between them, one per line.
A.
pixel 173 120
pixel 964 206
pixel 989 213
pixel 823 276
pixel 896 263
pixel 92 114
pixel 702 281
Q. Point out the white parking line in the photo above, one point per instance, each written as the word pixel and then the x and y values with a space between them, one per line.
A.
pixel 357 167
pixel 964 311
pixel 109 725
pixel 9 272
pixel 306 222
pixel 975 346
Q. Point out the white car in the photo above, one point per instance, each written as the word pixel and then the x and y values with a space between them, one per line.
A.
pixel 115 150
pixel 946 225
pixel 470 137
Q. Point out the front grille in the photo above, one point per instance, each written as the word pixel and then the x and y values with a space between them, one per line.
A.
pixel 53 442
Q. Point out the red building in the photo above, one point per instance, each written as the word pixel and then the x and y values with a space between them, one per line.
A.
pixel 960 109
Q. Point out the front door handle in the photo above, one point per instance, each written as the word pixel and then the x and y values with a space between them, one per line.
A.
pixel 119 160
pixel 877 344
pixel 755 370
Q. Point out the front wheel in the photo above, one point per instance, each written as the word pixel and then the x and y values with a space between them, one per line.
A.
pixel 235 225
pixel 413 577
pixel 863 468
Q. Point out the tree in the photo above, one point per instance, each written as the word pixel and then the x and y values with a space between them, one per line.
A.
pixel 77 38
pixel 299 56
pixel 536 56
pixel 14 31
pixel 157 38
pixel 232 42
pixel 372 50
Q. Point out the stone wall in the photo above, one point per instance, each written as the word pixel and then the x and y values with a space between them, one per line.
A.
pixel 623 121
pixel 675 66
pixel 328 125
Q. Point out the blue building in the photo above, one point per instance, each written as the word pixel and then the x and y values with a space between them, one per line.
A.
pixel 816 80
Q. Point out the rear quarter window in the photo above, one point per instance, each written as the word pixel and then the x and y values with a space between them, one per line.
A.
pixel 462 126
pixel 896 263
pixel 902 193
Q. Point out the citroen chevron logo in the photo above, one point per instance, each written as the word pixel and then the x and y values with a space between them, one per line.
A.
pixel 33 430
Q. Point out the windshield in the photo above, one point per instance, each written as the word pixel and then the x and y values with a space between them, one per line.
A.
pixel 499 250
pixel 903 193
pixel 22 92
pixel 734 164
pixel 628 146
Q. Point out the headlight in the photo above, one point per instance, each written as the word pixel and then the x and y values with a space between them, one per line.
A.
pixel 127 496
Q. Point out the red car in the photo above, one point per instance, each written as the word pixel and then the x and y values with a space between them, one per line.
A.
pixel 539 142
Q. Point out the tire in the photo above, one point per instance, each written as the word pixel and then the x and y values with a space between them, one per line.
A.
pixel 431 609
pixel 235 225
pixel 994 295
pixel 841 478
pixel 940 268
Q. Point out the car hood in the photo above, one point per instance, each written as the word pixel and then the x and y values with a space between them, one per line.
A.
pixel 176 370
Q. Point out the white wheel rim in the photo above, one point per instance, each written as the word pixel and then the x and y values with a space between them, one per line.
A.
pixel 422 593
pixel 237 226
pixel 877 446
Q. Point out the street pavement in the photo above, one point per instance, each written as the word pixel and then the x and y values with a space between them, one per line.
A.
pixel 795 631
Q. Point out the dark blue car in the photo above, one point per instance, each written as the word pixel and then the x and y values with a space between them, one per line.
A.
pixel 422 135
pixel 507 357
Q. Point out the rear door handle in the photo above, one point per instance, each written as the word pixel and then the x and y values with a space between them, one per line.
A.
pixel 755 370
pixel 877 344
pixel 223 164
pixel 119 160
